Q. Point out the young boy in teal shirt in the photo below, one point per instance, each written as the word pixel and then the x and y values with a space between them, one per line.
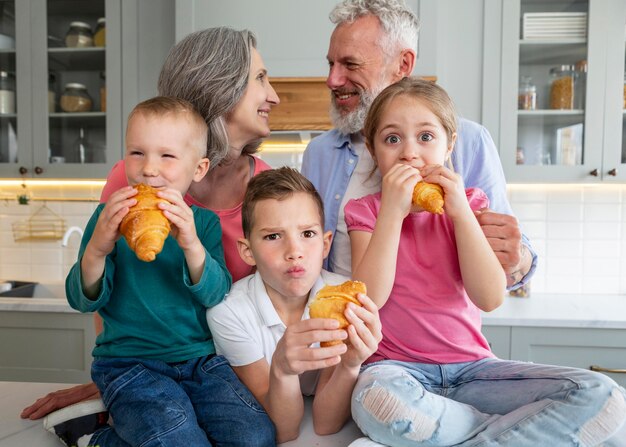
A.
pixel 154 362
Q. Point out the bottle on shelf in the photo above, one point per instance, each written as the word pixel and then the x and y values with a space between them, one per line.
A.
pixel 7 93
pixel 527 96
pixel 103 92
pixel 52 96
pixel 80 149
pixel 99 35
pixel 580 88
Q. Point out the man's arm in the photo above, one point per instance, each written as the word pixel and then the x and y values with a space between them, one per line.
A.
pixel 510 246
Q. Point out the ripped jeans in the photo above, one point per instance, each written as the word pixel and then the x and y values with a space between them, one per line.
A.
pixel 489 402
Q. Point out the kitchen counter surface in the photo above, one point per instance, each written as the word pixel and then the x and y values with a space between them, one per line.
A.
pixel 16 432
pixel 576 311
pixel 548 310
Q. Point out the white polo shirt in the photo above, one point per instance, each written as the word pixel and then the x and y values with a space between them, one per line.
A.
pixel 246 327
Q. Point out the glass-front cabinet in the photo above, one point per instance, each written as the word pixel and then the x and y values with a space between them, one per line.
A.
pixel 64 74
pixel 562 76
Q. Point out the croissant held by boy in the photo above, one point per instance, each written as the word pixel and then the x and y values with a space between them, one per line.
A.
pixel 145 227
pixel 331 301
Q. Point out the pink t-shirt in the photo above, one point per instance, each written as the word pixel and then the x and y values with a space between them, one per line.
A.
pixel 230 219
pixel 428 318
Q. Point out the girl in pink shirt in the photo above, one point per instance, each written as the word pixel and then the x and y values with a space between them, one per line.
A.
pixel 433 380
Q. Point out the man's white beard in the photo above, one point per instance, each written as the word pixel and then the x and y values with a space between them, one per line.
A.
pixel 352 122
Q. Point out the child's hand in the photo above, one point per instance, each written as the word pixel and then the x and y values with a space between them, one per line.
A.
pixel 397 189
pixel 294 354
pixel 364 332
pixel 106 231
pixel 455 200
pixel 181 217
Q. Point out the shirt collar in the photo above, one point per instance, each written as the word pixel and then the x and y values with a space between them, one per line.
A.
pixel 266 309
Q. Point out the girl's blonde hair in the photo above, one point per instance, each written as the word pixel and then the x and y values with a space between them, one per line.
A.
pixel 429 92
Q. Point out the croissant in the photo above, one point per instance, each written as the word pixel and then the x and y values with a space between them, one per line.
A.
pixel 429 197
pixel 145 228
pixel 331 301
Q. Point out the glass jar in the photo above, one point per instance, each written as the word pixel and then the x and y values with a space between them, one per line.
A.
pixel 99 35
pixel 7 93
pixel 562 87
pixel 527 95
pixel 75 98
pixel 580 87
pixel 79 35
pixel 52 96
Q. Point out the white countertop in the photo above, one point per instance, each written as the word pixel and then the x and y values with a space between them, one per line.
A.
pixel 48 298
pixel 549 310
pixel 546 310
pixel 16 432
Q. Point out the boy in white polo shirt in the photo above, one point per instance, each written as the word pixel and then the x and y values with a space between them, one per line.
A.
pixel 263 327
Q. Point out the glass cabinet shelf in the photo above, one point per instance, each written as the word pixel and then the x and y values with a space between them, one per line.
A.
pixel 552 52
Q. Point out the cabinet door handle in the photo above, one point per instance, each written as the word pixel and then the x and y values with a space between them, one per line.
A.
pixel 594 173
pixel 607 370
pixel 38 170
pixel 613 172
pixel 23 170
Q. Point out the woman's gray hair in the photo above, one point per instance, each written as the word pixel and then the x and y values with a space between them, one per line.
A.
pixel 400 24
pixel 210 69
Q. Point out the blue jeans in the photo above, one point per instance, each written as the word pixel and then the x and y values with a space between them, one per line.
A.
pixel 489 402
pixel 200 402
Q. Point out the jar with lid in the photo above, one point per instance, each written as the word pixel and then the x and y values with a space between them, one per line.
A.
pixel 79 35
pixel 7 93
pixel 580 84
pixel 527 95
pixel 99 35
pixel 562 87
pixel 52 96
pixel 75 98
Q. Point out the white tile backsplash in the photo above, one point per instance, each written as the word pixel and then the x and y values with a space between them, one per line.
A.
pixel 578 231
pixel 584 246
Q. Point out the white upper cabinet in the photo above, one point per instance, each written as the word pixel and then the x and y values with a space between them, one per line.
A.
pixel 63 75
pixel 293 34
pixel 561 97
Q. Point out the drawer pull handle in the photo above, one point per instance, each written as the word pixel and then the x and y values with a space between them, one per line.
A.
pixel 607 370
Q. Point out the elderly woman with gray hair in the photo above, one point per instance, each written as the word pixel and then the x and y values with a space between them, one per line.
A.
pixel 222 74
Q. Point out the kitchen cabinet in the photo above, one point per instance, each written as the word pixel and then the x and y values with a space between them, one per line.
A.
pixel 603 349
pixel 581 139
pixel 293 35
pixel 53 135
pixel 46 346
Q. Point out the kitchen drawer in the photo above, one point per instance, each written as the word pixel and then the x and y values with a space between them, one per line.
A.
pixel 499 338
pixel 580 348
pixel 46 347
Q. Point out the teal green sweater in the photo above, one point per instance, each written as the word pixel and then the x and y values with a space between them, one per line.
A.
pixel 150 309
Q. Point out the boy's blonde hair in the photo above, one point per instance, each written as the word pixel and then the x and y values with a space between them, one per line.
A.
pixel 277 184
pixel 161 106
pixel 433 95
